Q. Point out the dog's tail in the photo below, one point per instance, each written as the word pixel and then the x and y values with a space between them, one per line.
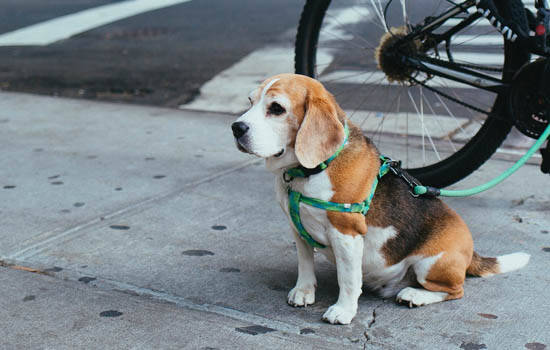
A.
pixel 485 267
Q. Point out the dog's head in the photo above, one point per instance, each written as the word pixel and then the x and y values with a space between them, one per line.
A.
pixel 290 116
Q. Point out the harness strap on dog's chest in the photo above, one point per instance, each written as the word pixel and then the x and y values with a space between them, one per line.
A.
pixel 295 198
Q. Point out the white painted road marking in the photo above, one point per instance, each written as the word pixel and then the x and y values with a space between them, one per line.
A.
pixel 227 91
pixel 336 20
pixel 64 27
pixel 482 22
pixel 477 40
pixel 397 123
pixel 379 78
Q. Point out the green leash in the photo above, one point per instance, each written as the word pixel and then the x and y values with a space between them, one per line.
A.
pixel 420 190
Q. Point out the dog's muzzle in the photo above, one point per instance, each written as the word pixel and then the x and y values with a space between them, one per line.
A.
pixel 240 130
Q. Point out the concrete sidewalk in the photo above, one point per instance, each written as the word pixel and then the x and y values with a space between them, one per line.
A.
pixel 138 227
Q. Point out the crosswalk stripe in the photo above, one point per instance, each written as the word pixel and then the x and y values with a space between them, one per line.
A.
pixel 64 27
pixel 477 40
pixel 480 23
pixel 479 58
pixel 227 91
pixel 438 126
pixel 335 22
pixel 379 78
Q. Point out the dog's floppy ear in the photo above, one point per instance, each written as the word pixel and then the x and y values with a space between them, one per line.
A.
pixel 321 133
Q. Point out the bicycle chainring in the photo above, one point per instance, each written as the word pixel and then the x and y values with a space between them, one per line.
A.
pixel 530 98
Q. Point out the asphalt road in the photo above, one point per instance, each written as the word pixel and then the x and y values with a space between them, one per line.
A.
pixel 164 56
pixel 159 57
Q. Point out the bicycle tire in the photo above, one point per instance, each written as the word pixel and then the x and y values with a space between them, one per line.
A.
pixel 488 138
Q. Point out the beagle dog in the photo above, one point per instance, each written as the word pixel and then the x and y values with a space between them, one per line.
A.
pixel 417 249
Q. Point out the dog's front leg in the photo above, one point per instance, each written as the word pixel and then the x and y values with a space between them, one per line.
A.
pixel 303 293
pixel 348 254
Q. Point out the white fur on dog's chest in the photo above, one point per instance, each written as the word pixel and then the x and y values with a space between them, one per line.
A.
pixel 315 220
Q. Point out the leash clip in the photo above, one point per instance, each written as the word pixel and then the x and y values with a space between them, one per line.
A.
pixel 395 167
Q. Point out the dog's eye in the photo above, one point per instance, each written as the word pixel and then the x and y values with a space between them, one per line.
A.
pixel 276 109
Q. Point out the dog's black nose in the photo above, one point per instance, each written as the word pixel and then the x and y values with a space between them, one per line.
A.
pixel 239 129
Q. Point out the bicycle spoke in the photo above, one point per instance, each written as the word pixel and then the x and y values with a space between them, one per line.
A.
pixel 379 12
pixel 451 113
pixel 424 131
pixel 436 118
pixel 365 99
pixel 334 18
pixel 345 77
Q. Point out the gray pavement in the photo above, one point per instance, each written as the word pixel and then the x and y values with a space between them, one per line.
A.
pixel 141 227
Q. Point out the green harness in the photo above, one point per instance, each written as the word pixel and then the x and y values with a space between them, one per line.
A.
pixel 295 198
pixel 416 189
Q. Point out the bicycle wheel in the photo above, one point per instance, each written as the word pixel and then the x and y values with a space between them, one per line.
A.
pixel 441 130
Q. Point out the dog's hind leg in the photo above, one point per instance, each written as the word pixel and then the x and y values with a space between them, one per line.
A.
pixel 303 293
pixel 441 275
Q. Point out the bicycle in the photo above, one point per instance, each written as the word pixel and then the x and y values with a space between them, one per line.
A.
pixel 467 72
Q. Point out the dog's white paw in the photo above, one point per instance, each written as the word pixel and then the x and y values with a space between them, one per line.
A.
pixel 301 296
pixel 418 297
pixel 337 314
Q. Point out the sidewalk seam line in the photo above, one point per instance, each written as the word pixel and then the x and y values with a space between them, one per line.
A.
pixel 52 236
pixel 106 284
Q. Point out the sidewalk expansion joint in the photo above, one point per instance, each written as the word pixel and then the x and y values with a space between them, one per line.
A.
pixel 106 284
pixel 52 237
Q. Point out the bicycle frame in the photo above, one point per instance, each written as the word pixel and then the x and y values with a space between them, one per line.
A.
pixel 449 69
